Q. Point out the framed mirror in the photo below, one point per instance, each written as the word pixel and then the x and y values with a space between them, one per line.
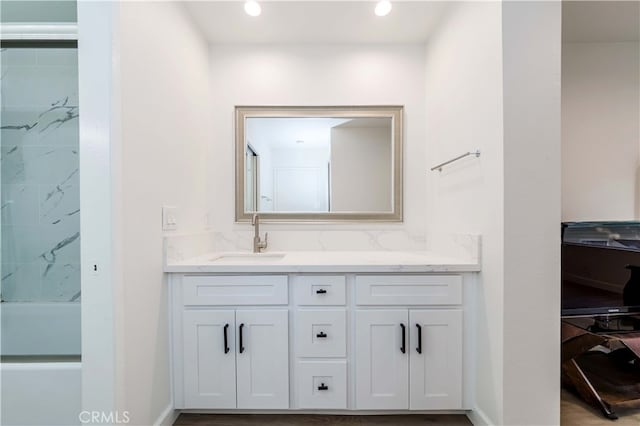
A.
pixel 319 164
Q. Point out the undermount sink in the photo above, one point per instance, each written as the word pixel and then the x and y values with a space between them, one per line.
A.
pixel 247 257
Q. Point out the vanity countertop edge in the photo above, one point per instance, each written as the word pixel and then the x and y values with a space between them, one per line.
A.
pixel 329 262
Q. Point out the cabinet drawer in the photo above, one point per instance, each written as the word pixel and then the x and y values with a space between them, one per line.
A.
pixel 321 333
pixel 322 384
pixel 235 290
pixel 320 290
pixel 408 290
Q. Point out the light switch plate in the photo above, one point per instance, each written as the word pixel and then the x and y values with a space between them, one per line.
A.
pixel 169 218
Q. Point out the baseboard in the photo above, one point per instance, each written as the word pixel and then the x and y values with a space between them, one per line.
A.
pixel 479 418
pixel 167 417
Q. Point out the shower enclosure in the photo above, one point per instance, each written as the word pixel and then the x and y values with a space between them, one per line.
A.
pixel 40 231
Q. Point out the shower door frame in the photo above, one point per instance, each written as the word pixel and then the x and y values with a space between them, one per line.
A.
pixel 100 195
pixel 99 161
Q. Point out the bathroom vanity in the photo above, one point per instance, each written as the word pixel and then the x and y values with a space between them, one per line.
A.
pixel 380 331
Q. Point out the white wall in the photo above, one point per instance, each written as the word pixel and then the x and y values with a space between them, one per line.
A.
pixel 464 112
pixel 600 130
pixel 531 75
pixel 483 92
pixel 361 174
pixel 317 75
pixel 166 116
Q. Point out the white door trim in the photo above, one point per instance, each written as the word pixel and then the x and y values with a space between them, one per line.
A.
pixel 101 282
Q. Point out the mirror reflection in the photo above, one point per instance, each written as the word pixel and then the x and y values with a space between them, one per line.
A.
pixel 327 165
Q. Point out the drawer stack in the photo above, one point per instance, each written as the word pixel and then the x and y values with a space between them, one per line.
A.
pixel 321 341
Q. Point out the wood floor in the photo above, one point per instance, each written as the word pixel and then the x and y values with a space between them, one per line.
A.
pixel 317 420
pixel 574 412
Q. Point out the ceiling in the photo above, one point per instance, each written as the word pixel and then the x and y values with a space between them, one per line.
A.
pixel 600 21
pixel 316 21
pixel 303 132
pixel 370 122
pixel 291 132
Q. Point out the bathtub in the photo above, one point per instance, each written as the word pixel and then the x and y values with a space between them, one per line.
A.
pixel 36 388
pixel 40 329
pixel 40 393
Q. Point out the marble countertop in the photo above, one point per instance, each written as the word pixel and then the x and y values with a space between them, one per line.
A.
pixel 322 262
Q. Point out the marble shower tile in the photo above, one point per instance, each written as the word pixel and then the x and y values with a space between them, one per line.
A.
pixel 18 128
pixel 57 56
pixel 19 57
pixel 53 125
pixel 39 165
pixel 60 112
pixel 60 282
pixel 19 205
pixel 22 87
pixel 61 133
pixel 39 154
pixel 51 243
pixel 58 203
pixel 21 282
pixel 55 84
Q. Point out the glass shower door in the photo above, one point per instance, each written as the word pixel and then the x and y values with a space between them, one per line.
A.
pixel 39 201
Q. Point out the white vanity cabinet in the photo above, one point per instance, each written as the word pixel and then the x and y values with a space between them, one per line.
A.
pixel 320 325
pixel 232 358
pixel 408 359
pixel 236 359
pixel 305 341
pixel 209 359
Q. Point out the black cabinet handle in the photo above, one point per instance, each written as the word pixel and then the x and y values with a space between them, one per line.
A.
pixel 323 387
pixel 226 342
pixel 321 335
pixel 240 330
pixel 403 348
pixel 419 348
pixel 321 291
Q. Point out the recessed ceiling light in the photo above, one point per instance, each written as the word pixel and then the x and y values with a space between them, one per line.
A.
pixel 383 8
pixel 299 141
pixel 252 8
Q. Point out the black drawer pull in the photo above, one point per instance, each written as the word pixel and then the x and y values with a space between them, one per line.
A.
pixel 321 291
pixel 321 335
pixel 403 348
pixel 226 343
pixel 240 329
pixel 419 348
pixel 323 387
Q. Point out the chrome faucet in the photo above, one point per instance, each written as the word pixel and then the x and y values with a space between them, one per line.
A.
pixel 258 244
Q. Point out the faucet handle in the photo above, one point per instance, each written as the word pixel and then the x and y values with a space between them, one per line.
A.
pixel 260 243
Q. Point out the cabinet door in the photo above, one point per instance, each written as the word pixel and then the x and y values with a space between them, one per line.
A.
pixel 263 359
pixel 209 365
pixel 382 371
pixel 436 359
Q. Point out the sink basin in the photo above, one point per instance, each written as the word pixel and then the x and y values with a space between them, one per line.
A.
pixel 247 257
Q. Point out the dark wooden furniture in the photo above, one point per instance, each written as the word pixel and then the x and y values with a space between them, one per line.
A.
pixel 608 378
